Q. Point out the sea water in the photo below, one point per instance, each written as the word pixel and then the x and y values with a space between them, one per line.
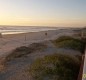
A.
pixel 23 29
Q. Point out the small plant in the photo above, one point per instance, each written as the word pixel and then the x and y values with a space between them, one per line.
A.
pixel 37 46
pixel 55 67
pixel 23 50
pixel 71 43
pixel 18 52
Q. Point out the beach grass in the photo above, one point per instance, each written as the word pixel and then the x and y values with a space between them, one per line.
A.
pixel 70 43
pixel 55 67
pixel 25 50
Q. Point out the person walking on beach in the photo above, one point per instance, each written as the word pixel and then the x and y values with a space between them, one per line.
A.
pixel 46 34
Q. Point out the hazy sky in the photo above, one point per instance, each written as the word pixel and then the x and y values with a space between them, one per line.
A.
pixel 43 12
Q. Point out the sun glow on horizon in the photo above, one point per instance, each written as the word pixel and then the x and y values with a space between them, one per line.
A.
pixel 43 13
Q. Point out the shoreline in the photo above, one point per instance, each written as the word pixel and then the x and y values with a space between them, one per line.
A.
pixel 12 41
pixel 16 33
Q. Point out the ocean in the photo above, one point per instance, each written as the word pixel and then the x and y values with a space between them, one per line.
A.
pixel 23 29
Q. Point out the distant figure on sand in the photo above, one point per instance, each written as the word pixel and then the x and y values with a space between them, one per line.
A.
pixel 0 35
pixel 46 34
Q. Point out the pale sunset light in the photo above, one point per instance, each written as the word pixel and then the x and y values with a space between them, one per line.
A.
pixel 43 12
pixel 42 39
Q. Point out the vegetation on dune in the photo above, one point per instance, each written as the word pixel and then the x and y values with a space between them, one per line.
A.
pixel 62 38
pixel 55 67
pixel 18 52
pixel 23 50
pixel 69 42
pixel 37 46
pixel 84 40
pixel 2 63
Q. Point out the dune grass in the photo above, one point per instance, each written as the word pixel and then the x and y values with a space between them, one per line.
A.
pixel 23 50
pixel 55 67
pixel 2 63
pixel 70 43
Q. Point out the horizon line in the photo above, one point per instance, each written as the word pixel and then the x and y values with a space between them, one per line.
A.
pixel 42 26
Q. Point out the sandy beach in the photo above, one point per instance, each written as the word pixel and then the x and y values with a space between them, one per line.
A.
pixel 11 41
pixel 16 69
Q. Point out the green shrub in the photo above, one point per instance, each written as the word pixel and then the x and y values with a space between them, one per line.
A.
pixel 55 67
pixel 18 52
pixel 23 50
pixel 37 46
pixel 63 38
pixel 70 43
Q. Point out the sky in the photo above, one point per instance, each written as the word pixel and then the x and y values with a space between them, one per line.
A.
pixel 43 12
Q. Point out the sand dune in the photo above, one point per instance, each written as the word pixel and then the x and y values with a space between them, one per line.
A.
pixel 15 69
pixel 11 41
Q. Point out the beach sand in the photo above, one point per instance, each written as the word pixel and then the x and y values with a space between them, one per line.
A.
pixel 11 41
pixel 15 69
